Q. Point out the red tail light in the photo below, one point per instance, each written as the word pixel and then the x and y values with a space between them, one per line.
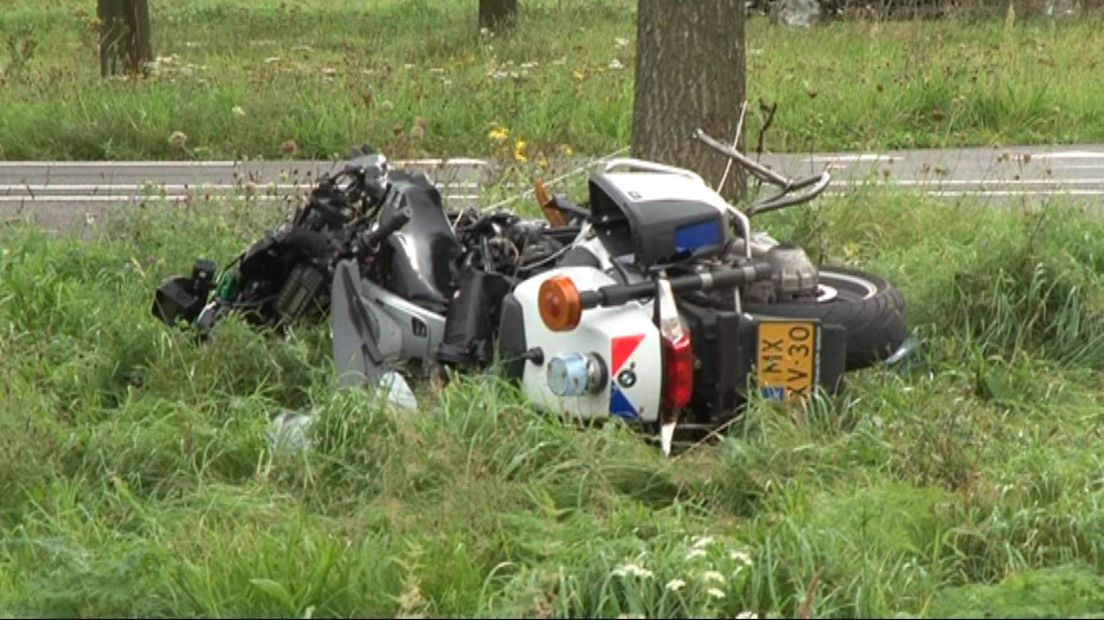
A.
pixel 678 376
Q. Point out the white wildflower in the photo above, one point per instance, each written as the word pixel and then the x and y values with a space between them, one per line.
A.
pixel 747 615
pixel 178 139
pixel 616 65
pixel 238 111
pixel 675 585
pixel 712 575
pixel 740 556
pixel 620 42
pixel 408 66
pixel 715 593
pixel 632 570
pixel 700 542
pixel 695 553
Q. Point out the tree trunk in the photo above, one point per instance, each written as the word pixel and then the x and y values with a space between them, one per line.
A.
pixel 124 36
pixel 497 14
pixel 689 74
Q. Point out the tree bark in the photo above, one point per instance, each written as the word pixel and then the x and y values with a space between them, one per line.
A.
pixel 690 68
pixel 124 36
pixel 497 14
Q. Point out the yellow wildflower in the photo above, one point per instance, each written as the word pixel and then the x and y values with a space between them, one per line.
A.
pixel 519 150
pixel 498 134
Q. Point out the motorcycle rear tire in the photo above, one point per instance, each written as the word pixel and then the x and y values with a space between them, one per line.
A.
pixel 870 308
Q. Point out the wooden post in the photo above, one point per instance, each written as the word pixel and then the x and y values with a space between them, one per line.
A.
pixel 124 36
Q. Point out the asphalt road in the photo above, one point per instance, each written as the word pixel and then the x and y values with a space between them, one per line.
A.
pixel 72 196
pixel 77 195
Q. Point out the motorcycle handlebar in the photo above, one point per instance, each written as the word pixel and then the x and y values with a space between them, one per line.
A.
pixel 755 168
pixel 819 183
pixel 617 294
pixel 785 199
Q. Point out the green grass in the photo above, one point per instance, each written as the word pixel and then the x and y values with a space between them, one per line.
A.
pixel 137 478
pixel 274 78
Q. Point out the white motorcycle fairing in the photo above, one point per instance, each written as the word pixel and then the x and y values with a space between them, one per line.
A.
pixel 623 337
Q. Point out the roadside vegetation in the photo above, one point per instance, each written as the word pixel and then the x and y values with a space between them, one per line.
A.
pixel 138 479
pixel 311 78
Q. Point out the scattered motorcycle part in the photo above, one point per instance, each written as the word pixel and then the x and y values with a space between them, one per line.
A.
pixel 289 432
pixel 904 352
pixel 397 391
pixel 175 300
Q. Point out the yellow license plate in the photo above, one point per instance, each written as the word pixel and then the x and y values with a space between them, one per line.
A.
pixel 788 358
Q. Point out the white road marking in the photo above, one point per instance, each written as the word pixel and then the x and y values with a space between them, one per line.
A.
pixel 1069 155
pixel 855 157
pixel 992 182
pixel 169 197
pixel 995 193
pixel 1099 166
pixel 458 161
pixel 94 188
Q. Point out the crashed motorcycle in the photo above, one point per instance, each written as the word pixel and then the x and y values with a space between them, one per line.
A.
pixel 653 301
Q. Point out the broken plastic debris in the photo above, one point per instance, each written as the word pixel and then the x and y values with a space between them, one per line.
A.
pixel 289 431
pixel 398 390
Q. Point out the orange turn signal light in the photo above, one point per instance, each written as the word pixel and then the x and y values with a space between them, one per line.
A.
pixel 559 304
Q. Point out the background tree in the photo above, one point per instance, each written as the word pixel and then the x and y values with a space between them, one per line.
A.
pixel 497 14
pixel 124 36
pixel 689 73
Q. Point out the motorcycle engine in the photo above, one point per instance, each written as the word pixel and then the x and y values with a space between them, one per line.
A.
pixel 793 275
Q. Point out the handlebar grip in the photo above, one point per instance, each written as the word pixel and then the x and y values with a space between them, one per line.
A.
pixel 392 224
